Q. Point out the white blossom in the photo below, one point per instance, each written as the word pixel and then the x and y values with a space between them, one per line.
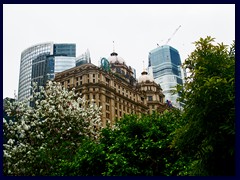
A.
pixel 57 112
pixel 10 141
pixel 25 127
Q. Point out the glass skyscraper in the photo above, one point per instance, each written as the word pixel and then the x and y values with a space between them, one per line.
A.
pixel 165 66
pixel 40 62
pixel 83 58
pixel 64 50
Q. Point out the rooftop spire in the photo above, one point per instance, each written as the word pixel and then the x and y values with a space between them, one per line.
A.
pixel 113 47
pixel 113 53
pixel 144 70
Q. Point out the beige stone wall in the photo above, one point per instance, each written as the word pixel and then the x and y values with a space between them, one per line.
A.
pixel 114 95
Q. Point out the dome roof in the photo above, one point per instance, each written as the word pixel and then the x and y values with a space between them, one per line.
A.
pixel 145 77
pixel 114 58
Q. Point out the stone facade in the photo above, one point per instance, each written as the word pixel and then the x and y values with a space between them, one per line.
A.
pixel 116 90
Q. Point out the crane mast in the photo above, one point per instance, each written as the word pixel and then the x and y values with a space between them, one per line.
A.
pixel 173 35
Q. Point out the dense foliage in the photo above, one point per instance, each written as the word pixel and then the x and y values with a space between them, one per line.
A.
pixel 209 97
pixel 135 146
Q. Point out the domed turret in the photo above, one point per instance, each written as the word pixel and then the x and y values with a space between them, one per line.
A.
pixel 145 77
pixel 114 58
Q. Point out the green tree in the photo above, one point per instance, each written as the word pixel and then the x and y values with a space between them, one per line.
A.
pixel 135 146
pixel 208 93
pixel 40 137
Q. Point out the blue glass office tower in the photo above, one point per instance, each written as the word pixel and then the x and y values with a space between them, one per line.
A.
pixel 165 66
pixel 40 62
pixel 64 50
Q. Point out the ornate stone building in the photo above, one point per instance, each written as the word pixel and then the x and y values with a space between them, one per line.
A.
pixel 114 87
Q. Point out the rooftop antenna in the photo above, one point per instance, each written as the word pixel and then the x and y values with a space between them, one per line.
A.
pixel 113 47
pixel 144 69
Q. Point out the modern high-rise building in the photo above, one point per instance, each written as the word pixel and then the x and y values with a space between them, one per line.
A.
pixel 165 66
pixel 40 62
pixel 83 58
pixel 64 50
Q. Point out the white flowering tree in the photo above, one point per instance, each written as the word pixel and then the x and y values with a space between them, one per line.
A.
pixel 42 136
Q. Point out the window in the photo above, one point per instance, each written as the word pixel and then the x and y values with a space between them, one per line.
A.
pixel 150 98
pixel 107 99
pixel 107 81
pixel 107 115
pixel 107 107
pixel 161 100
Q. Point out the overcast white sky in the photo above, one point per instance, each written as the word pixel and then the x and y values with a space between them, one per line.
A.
pixel 135 29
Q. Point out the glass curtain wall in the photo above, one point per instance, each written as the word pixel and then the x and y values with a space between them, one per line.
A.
pixel 165 65
pixel 29 59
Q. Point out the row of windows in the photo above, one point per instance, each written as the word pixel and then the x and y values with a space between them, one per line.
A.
pixel 26 63
pixel 34 52
pixel 120 113
pixel 150 88
pixel 120 103
pixel 24 82
pixel 108 81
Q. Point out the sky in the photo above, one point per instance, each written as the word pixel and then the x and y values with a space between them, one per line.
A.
pixel 136 29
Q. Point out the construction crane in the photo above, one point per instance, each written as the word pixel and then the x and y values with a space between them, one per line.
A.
pixel 172 35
